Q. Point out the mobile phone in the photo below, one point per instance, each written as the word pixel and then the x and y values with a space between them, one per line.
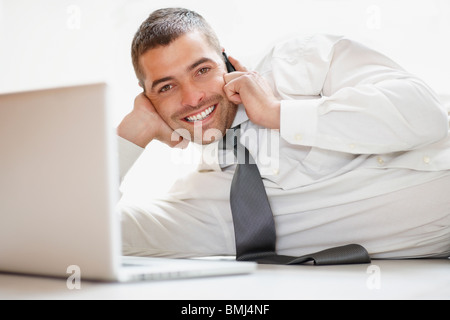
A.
pixel 230 67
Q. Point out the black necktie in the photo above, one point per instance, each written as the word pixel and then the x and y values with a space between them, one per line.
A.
pixel 253 220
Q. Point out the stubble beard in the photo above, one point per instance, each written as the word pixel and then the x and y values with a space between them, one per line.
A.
pixel 205 136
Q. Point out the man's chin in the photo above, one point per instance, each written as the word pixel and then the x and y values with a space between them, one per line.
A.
pixel 201 136
pixel 207 140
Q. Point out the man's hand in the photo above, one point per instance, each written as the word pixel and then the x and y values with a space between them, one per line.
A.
pixel 253 91
pixel 143 124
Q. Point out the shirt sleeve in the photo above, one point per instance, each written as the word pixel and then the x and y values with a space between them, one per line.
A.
pixel 128 154
pixel 193 219
pixel 364 103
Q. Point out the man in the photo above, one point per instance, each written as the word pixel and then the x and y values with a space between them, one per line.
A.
pixel 363 147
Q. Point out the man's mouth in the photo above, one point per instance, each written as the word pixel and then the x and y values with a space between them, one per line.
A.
pixel 202 115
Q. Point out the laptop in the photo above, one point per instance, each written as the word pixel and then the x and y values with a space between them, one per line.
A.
pixel 59 188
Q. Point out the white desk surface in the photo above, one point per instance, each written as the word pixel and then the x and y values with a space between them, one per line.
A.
pixel 383 279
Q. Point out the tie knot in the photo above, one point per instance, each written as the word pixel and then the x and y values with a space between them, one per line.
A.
pixel 231 139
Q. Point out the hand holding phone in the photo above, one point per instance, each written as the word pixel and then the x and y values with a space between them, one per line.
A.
pixel 254 92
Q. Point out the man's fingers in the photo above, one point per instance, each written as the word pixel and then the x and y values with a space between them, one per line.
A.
pixel 164 132
pixel 172 138
pixel 231 90
pixel 237 65
pixel 228 77
pixel 142 99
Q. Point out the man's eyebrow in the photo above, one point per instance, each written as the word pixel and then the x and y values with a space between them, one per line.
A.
pixel 190 68
pixel 156 82
pixel 199 62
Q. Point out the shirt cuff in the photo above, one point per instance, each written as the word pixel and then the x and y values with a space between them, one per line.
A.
pixel 128 154
pixel 298 121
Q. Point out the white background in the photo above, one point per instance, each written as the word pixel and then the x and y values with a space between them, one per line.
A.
pixel 48 43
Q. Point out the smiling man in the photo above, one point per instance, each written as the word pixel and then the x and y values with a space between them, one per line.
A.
pixel 187 88
pixel 182 74
pixel 363 147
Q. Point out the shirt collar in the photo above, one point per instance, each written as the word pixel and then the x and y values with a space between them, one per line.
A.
pixel 210 153
pixel 241 116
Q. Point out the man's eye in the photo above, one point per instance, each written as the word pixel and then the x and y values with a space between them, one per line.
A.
pixel 166 88
pixel 203 70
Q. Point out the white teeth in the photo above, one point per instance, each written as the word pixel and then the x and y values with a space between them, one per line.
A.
pixel 201 116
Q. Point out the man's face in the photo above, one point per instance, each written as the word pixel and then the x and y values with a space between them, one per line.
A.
pixel 184 81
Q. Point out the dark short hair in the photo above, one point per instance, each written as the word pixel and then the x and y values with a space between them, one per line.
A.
pixel 164 26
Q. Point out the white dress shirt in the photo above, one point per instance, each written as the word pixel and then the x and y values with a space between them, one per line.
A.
pixel 362 156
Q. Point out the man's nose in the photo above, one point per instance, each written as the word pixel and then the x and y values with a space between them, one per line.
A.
pixel 192 95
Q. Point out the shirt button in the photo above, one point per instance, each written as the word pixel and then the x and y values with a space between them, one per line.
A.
pixel 380 161
pixel 352 146
pixel 298 137
pixel 427 160
pixel 276 172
